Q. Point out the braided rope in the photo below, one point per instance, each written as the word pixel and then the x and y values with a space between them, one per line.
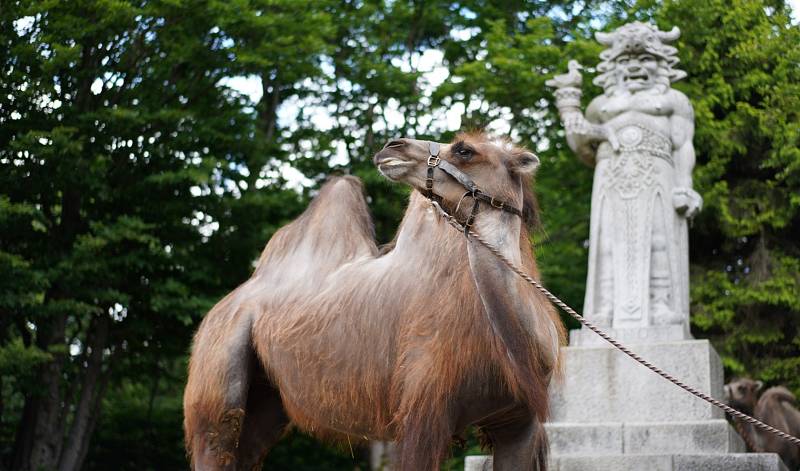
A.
pixel 655 369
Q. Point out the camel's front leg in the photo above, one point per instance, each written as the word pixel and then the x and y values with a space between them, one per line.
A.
pixel 520 446
pixel 425 441
pixel 426 417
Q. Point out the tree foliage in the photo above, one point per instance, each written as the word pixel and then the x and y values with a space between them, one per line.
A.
pixel 138 183
pixel 744 79
pixel 122 159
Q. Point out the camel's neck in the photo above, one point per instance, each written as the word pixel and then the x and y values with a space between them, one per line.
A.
pixel 422 228
pixel 502 230
pixel 529 340
pixel 425 237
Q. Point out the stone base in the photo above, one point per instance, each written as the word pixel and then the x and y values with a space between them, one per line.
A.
pixel 689 462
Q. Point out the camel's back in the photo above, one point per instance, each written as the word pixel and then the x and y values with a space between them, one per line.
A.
pixel 776 407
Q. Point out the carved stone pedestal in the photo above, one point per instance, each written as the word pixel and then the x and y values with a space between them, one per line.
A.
pixel 610 413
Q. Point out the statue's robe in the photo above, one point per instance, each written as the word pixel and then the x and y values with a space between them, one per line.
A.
pixel 638 253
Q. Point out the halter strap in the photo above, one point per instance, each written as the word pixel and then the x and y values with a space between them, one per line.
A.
pixel 459 176
pixel 473 191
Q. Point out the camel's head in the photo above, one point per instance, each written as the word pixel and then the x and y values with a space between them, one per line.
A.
pixel 742 394
pixel 498 168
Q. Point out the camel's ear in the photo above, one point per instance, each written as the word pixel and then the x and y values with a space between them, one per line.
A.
pixel 759 385
pixel 525 163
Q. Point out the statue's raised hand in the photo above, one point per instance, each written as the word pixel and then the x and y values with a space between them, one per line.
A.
pixel 686 201
pixel 572 78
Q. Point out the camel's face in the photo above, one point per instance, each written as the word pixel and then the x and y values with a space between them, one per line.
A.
pixel 742 394
pixel 495 166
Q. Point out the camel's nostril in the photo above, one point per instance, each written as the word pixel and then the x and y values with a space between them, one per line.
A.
pixel 394 143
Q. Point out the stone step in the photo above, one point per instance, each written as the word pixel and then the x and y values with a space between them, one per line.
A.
pixel 681 462
pixel 614 438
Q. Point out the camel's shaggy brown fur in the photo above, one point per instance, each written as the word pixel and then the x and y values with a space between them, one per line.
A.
pixel 777 407
pixel 412 345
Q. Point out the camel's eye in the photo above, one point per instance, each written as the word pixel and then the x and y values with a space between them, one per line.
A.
pixel 463 151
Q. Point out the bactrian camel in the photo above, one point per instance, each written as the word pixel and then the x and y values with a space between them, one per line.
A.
pixel 777 407
pixel 413 345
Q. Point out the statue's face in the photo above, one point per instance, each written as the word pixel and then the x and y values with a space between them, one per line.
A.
pixel 637 71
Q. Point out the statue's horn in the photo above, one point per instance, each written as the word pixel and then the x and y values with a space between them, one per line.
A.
pixel 669 36
pixel 606 39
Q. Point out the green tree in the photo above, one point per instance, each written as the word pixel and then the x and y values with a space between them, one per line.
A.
pixel 744 80
pixel 137 186
pixel 129 188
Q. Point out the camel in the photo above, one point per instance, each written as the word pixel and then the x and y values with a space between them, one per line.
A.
pixel 413 344
pixel 775 407
pixel 742 394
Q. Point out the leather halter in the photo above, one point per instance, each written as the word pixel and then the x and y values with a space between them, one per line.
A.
pixel 473 191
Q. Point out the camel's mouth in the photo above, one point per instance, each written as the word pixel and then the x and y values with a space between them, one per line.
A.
pixel 394 169
pixel 392 166
pixel 393 162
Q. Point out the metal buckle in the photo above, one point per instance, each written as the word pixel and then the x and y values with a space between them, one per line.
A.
pixel 500 206
pixel 433 160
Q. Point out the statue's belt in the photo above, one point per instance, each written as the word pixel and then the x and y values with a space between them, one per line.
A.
pixel 639 139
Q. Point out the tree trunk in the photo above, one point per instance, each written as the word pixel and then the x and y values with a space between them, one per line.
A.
pixel 369 139
pixel 270 100
pixel 41 435
pixel 23 442
pixel 82 423
pixel 5 321
pixel 94 415
pixel 42 439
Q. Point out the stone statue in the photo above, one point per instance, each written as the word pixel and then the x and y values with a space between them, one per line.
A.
pixel 609 412
pixel 638 136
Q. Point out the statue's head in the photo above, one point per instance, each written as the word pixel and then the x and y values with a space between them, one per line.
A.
pixel 638 58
